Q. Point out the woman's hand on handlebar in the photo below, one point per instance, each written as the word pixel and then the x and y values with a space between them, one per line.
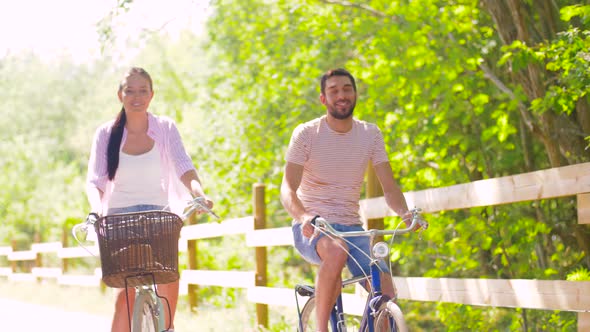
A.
pixel 92 217
pixel 206 202
pixel 200 204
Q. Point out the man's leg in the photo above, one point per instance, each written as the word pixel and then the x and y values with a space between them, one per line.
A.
pixel 387 286
pixel 333 253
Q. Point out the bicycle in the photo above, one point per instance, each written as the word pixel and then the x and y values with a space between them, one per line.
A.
pixel 381 313
pixel 140 249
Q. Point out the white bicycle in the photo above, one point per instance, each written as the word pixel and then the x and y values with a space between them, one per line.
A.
pixel 140 250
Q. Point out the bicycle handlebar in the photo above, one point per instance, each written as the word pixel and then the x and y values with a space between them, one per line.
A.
pixel 198 203
pixel 416 220
pixel 195 204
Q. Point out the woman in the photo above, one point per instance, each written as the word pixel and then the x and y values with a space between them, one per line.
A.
pixel 138 163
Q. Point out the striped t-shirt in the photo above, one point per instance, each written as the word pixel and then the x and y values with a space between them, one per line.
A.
pixel 334 166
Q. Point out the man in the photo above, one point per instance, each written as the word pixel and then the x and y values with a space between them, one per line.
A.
pixel 326 163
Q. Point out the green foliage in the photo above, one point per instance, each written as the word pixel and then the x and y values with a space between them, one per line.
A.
pixel 580 274
pixel 105 27
pixel 569 12
pixel 420 80
pixel 568 55
pixel 42 169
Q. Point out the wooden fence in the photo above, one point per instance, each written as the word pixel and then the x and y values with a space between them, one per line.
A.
pixel 562 295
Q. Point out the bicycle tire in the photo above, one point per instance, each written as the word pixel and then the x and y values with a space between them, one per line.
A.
pixel 390 312
pixel 308 318
pixel 146 314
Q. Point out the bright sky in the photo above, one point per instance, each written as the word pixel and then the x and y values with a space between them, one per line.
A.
pixel 55 27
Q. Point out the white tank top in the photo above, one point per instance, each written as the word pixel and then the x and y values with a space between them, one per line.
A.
pixel 139 180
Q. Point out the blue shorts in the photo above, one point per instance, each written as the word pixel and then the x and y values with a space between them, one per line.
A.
pixel 134 208
pixel 133 231
pixel 358 261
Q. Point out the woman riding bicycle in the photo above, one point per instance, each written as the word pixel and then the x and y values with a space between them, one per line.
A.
pixel 138 163
pixel 326 162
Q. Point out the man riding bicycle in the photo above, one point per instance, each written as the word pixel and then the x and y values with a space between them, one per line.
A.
pixel 326 163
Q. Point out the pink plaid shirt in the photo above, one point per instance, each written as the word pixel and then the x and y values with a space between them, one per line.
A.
pixel 175 160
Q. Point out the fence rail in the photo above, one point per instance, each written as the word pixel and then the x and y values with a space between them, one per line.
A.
pixel 563 295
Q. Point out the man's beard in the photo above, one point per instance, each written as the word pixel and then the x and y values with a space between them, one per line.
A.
pixel 339 115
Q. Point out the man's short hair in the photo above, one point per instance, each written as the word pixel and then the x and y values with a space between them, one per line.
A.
pixel 336 72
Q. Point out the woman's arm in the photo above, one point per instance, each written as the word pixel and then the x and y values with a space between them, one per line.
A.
pixel 96 176
pixel 95 199
pixel 191 181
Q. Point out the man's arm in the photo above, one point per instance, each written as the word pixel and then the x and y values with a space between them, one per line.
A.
pixel 292 203
pixel 393 195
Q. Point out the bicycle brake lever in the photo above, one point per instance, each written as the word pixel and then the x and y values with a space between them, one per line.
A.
pixel 423 223
pixel 200 202
pixel 316 231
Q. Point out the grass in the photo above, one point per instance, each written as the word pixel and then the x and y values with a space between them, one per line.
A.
pixel 240 317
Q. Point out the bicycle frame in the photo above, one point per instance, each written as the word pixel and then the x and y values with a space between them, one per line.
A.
pixel 376 297
pixel 148 291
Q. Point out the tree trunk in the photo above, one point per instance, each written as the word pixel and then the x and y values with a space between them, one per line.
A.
pixel 562 137
pixel 583 115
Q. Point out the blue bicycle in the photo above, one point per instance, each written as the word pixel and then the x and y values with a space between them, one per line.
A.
pixel 381 313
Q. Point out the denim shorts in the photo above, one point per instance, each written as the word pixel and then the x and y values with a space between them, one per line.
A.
pixel 358 261
pixel 134 208
pixel 135 231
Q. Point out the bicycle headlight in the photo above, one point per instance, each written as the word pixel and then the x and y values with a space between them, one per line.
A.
pixel 380 250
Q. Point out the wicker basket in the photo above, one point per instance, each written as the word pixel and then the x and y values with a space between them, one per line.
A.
pixel 139 245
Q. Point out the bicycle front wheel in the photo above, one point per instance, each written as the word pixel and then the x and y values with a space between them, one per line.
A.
pixel 390 319
pixel 146 314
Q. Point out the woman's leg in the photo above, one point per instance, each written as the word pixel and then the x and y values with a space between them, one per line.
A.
pixel 170 292
pixel 121 316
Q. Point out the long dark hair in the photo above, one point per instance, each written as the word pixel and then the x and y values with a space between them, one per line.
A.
pixel 116 137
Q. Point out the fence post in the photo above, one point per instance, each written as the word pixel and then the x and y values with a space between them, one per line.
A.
pixel 373 189
pixel 260 223
pixel 38 259
pixel 583 321
pixel 13 263
pixel 64 244
pixel 193 264
pixel 583 203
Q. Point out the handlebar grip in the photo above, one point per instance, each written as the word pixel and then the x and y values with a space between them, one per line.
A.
pixel 314 219
pixel 92 217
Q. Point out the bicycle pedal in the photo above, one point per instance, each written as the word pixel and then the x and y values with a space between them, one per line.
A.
pixel 305 290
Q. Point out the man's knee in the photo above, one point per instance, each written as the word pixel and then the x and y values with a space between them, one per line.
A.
pixel 332 250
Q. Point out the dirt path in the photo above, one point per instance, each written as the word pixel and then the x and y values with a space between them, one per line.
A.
pixel 22 316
